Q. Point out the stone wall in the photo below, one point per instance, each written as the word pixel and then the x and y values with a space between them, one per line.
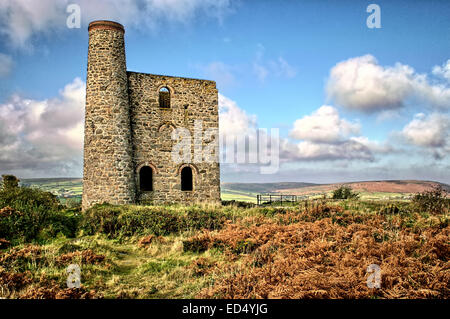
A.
pixel 152 126
pixel 108 174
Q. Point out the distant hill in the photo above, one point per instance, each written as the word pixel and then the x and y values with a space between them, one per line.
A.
pixel 65 187
pixel 371 190
pixel 388 186
pixel 50 180
pixel 264 187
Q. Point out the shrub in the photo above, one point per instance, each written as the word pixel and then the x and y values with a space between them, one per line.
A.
pixel 129 221
pixel 101 219
pixel 433 201
pixel 9 182
pixel 27 199
pixel 344 192
pixel 156 221
pixel 237 203
pixel 28 213
pixel 197 244
pixel 121 220
pixel 197 218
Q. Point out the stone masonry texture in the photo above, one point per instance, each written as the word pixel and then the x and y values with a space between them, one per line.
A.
pixel 126 129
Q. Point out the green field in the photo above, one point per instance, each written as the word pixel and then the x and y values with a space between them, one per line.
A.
pixel 63 187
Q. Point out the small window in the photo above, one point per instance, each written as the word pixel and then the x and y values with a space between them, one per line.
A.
pixel 186 179
pixel 146 179
pixel 164 98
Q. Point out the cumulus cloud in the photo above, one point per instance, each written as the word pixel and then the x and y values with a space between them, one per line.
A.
pixel 6 65
pixel 428 131
pixel 322 136
pixel 243 145
pixel 323 126
pixel 361 83
pixel 443 71
pixel 310 151
pixel 21 19
pixel 43 136
pixel 234 121
pixel 374 146
pixel 325 135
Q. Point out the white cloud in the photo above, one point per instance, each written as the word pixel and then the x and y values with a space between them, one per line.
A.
pixel 374 146
pixel 45 136
pixel 323 126
pixel 361 83
pixel 428 131
pixel 21 19
pixel 6 65
pixel 347 150
pixel 234 121
pixel 443 71
pixel 325 135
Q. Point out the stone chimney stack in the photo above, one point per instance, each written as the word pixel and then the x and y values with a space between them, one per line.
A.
pixel 108 174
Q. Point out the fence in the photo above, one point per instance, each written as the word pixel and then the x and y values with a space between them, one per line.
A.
pixel 263 199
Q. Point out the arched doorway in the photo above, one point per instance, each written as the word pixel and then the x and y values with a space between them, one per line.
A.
pixel 186 179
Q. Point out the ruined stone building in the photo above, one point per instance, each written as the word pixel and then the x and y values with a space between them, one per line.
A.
pixel 129 120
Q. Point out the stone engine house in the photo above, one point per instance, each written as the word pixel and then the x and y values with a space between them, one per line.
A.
pixel 129 122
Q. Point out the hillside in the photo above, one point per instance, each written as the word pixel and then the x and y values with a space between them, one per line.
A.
pixel 370 190
pixel 391 189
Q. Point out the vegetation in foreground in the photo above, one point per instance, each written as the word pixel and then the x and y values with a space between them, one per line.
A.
pixel 316 249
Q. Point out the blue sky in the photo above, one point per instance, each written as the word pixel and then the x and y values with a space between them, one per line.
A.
pixel 273 60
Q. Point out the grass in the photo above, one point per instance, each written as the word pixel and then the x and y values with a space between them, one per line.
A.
pixel 161 270
pixel 316 248
pixel 319 249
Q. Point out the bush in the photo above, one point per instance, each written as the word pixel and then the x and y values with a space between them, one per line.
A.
pixel 237 203
pixel 27 199
pixel 197 218
pixel 433 201
pixel 101 219
pixel 155 221
pixel 344 192
pixel 121 220
pixel 197 244
pixel 117 221
pixel 28 214
pixel 9 182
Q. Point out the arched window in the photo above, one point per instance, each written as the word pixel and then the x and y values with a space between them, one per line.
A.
pixel 146 179
pixel 186 179
pixel 164 98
